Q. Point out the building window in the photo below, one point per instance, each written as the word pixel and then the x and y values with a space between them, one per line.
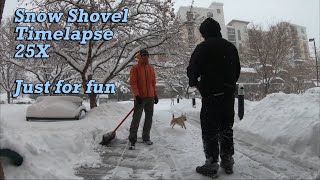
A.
pixel 239 35
pixel 218 11
pixel 231 35
pixel 210 14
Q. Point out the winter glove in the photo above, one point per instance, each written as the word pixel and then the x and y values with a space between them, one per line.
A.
pixel 138 100
pixel 199 88
pixel 156 100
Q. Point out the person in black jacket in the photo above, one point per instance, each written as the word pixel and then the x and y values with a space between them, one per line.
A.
pixel 214 69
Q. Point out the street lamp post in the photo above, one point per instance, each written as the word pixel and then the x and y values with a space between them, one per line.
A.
pixel 315 53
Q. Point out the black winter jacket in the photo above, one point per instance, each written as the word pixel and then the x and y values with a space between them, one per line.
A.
pixel 216 62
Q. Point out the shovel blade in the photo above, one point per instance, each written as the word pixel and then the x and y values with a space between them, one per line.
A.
pixel 106 138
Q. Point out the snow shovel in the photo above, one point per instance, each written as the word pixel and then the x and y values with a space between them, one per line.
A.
pixel 106 138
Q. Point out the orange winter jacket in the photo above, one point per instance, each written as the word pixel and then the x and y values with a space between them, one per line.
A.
pixel 143 79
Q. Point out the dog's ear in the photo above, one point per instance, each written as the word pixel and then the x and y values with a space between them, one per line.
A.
pixel 172 116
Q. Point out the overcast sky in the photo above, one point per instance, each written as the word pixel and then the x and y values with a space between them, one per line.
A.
pixel 302 12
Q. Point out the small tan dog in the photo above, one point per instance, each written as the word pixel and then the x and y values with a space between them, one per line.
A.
pixel 179 120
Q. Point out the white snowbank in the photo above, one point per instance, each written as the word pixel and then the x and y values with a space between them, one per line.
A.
pixel 248 70
pixel 52 150
pixel 315 90
pixel 318 176
pixel 3 98
pixel 19 100
pixel 287 124
pixel 23 100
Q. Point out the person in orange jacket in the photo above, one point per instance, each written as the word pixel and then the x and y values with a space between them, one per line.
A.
pixel 143 85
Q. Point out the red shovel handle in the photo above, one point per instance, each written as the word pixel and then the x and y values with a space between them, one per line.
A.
pixel 123 120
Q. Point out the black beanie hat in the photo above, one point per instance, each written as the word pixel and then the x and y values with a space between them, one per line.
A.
pixel 210 28
pixel 144 52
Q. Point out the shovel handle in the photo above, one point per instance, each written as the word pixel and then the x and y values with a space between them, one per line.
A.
pixel 114 131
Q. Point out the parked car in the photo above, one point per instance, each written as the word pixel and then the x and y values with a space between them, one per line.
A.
pixel 55 108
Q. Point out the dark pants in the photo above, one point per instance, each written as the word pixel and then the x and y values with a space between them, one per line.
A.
pixel 146 105
pixel 217 118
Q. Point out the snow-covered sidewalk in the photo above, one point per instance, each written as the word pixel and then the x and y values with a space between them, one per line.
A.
pixel 177 152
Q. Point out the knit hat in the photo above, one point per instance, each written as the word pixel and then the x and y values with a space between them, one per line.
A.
pixel 144 52
pixel 210 28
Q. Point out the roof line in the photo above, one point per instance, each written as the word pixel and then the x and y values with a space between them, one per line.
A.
pixel 235 20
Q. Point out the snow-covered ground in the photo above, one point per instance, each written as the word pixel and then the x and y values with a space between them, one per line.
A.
pixel 287 125
pixel 278 138
pixel 18 100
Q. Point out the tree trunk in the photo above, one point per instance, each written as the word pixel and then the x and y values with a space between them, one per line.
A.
pixel 92 96
pixel 8 97
pixel 1 172
pixel 266 89
pixel 1 8
pixel 93 100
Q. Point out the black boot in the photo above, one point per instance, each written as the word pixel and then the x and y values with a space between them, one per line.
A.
pixel 227 164
pixel 132 146
pixel 209 169
pixel 148 142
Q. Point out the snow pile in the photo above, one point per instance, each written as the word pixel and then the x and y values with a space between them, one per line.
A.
pixel 315 90
pixel 3 98
pixel 285 124
pixel 18 100
pixel 24 100
pixel 52 150
pixel 318 176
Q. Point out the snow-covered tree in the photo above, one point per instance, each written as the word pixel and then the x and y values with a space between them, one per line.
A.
pixel 173 68
pixel 178 52
pixel 8 74
pixel 51 69
pixel 299 78
pixel 122 86
pixel 149 25
pixel 8 71
pixel 269 52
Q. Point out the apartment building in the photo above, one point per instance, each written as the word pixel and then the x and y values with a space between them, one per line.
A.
pixel 235 31
pixel 302 51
